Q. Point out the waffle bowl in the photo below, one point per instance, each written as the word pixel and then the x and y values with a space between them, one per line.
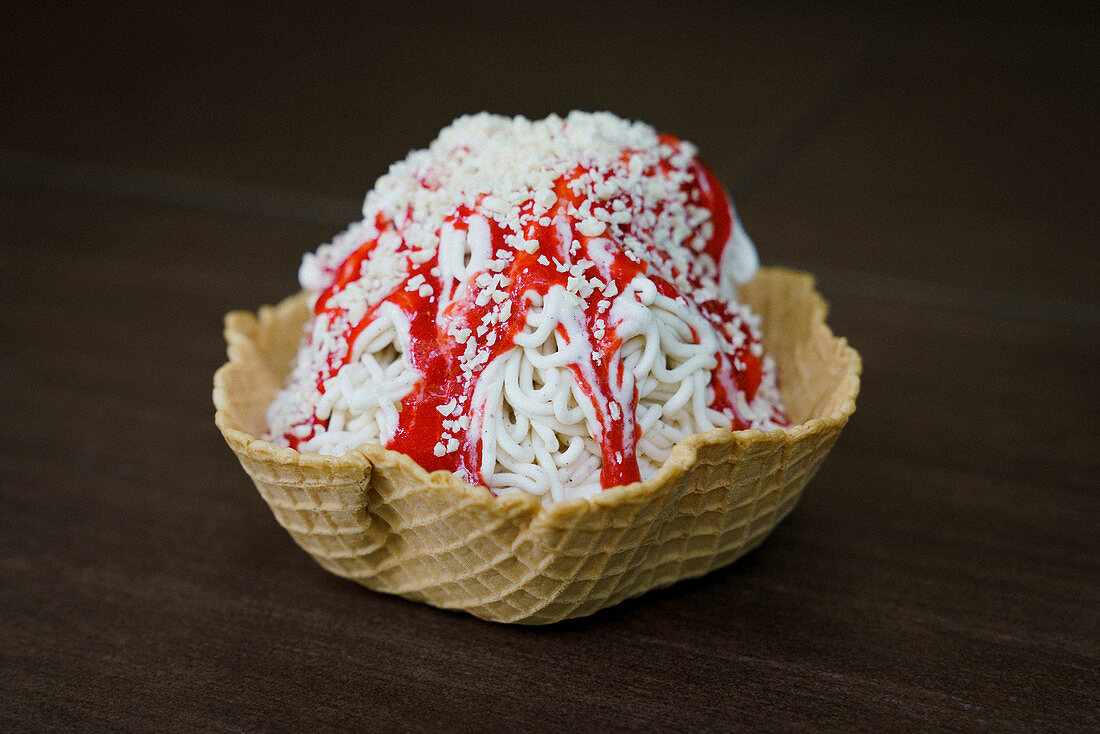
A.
pixel 376 517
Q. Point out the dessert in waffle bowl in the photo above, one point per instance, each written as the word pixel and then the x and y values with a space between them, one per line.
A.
pixel 542 375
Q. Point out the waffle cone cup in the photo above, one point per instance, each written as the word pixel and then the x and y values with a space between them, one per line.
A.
pixel 378 518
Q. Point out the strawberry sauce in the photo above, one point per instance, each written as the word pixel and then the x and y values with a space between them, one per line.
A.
pixel 458 327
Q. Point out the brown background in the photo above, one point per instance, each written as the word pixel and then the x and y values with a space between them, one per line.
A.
pixel 159 167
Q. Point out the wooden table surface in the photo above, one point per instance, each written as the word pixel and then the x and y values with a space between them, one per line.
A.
pixel 938 172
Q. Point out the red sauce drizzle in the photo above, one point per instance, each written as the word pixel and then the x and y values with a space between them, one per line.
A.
pixel 435 354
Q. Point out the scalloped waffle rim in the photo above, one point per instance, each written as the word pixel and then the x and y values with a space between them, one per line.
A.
pixel 378 518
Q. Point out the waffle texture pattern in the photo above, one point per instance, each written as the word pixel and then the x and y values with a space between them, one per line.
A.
pixel 376 517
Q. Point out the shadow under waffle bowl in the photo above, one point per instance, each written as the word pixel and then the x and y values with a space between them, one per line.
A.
pixel 376 517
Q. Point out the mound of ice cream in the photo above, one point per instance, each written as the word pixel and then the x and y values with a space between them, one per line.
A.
pixel 542 306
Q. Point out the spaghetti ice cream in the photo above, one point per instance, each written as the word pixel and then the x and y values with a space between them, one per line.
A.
pixel 547 307
pixel 543 374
